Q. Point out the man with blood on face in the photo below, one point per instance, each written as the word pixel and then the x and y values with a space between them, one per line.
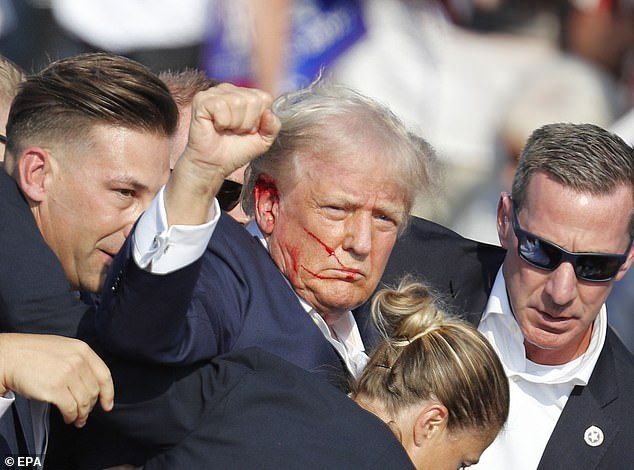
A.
pixel 331 223
pixel 328 200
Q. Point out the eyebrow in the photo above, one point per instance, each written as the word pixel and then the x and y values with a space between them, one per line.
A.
pixel 128 181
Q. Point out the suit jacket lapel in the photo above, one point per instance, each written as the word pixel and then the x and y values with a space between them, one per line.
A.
pixel 584 432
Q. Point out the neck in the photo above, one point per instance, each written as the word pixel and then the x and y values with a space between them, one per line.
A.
pixel 378 409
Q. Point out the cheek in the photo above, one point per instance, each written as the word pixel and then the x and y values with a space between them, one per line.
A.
pixel 381 250
pixel 592 297
pixel 293 260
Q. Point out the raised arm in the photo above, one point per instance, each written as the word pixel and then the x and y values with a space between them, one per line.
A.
pixel 145 315
pixel 230 126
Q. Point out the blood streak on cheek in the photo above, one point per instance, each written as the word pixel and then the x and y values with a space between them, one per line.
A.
pixel 321 277
pixel 330 252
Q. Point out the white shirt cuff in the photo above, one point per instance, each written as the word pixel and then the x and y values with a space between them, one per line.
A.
pixel 160 249
pixel 6 401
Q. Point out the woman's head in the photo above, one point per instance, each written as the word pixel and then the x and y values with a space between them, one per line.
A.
pixel 435 380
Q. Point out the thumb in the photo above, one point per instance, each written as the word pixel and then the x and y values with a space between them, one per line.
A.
pixel 270 126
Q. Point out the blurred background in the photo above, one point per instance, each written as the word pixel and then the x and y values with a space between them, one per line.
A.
pixel 474 77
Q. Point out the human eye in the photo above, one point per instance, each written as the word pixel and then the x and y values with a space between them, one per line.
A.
pixel 387 219
pixel 125 193
pixel 334 211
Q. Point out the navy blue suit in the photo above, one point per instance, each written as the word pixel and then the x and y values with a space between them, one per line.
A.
pixel 35 296
pixel 240 299
pixel 251 409
pixel 233 297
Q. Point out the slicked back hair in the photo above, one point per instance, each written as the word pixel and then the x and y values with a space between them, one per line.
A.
pixel 70 96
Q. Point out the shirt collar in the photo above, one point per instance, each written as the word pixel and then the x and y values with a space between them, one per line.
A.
pixel 254 229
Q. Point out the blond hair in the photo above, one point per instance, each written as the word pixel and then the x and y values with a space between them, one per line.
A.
pixel 429 356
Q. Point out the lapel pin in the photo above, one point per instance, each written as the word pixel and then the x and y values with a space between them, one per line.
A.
pixel 593 436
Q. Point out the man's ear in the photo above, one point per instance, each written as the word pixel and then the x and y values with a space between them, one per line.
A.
pixel 33 166
pixel 430 422
pixel 504 223
pixel 266 197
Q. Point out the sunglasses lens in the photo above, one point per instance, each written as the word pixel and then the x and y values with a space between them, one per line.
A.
pixel 545 255
pixel 597 267
pixel 229 195
pixel 538 252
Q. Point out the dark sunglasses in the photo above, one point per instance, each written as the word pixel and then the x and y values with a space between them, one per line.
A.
pixel 229 195
pixel 542 254
pixel 3 139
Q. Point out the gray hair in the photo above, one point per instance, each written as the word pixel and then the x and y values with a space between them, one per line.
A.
pixel 327 116
pixel 11 75
pixel 583 157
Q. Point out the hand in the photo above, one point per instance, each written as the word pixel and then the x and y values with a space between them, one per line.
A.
pixel 58 370
pixel 230 126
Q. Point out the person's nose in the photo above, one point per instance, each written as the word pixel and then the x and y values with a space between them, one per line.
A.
pixel 358 236
pixel 562 284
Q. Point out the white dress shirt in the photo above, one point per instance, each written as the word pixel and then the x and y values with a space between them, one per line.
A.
pixel 6 401
pixel 538 392
pixel 160 249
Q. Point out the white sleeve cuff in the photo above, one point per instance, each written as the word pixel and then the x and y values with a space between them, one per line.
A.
pixel 160 249
pixel 6 401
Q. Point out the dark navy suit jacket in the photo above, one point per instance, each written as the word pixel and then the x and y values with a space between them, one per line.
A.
pixel 240 299
pixel 35 297
pixel 251 409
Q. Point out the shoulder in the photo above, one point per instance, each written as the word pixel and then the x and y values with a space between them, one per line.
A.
pixel 623 359
pixel 264 414
pixel 461 269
